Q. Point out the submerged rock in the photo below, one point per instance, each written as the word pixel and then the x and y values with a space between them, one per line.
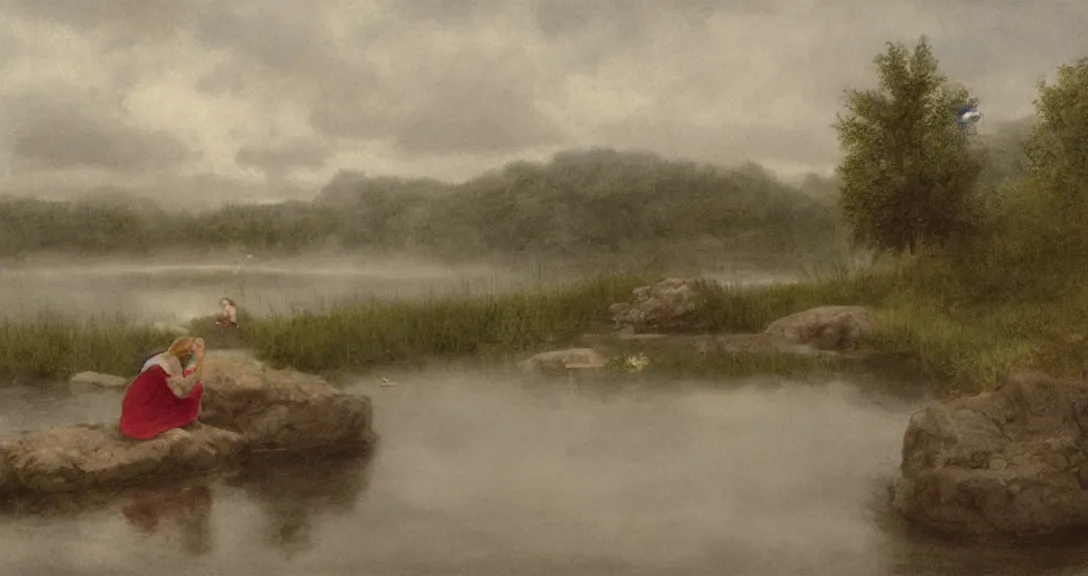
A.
pixel 248 409
pixel 558 361
pixel 837 328
pixel 1012 461
pixel 671 307
pixel 100 380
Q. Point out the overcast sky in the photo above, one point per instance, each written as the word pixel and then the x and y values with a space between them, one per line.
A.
pixel 247 95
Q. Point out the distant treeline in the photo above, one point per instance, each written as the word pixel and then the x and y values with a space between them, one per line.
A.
pixel 580 203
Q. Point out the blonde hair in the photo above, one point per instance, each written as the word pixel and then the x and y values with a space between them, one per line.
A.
pixel 181 347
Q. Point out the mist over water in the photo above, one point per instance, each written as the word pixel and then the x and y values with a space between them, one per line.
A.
pixel 175 290
pixel 489 474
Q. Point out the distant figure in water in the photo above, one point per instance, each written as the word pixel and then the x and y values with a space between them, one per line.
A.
pixel 229 316
pixel 167 393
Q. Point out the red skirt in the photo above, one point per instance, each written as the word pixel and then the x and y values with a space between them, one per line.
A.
pixel 150 407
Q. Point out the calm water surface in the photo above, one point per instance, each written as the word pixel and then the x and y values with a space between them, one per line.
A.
pixel 174 291
pixel 484 475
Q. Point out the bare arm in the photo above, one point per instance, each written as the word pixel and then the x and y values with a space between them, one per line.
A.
pixel 182 386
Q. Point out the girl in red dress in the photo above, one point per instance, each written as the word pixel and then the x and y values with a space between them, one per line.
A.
pixel 165 395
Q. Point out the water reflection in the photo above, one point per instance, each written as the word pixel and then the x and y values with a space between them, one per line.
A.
pixel 477 475
pixel 291 490
pixel 184 511
pixel 912 552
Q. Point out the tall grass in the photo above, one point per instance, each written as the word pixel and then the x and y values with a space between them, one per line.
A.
pixel 750 309
pixel 924 320
pixel 367 333
pixel 54 348
pixel 973 347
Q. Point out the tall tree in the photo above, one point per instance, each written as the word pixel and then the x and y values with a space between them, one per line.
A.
pixel 1058 148
pixel 908 172
pixel 1057 162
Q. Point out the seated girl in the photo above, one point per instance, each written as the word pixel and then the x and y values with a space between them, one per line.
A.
pixel 229 316
pixel 167 392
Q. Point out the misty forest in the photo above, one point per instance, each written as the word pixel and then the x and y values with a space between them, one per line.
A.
pixel 595 355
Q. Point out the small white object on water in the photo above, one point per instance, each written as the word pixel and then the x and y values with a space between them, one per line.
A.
pixel 386 383
pixel 638 363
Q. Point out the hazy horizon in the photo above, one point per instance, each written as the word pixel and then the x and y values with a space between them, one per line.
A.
pixel 238 102
pixel 307 194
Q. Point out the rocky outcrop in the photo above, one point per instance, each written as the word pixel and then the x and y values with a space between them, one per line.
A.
pixel 247 410
pixel 88 456
pixel 1012 461
pixel 282 409
pixel 100 380
pixel 837 328
pixel 672 306
pixel 669 306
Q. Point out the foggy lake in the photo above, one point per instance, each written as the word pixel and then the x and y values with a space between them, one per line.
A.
pixel 484 474
pixel 481 473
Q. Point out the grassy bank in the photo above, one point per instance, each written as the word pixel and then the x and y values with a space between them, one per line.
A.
pixel 369 333
pixel 356 336
pixel 54 348
pixel 922 325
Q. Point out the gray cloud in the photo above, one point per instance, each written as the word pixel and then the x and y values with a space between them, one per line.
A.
pixel 479 105
pixel 293 44
pixel 277 160
pixel 763 142
pixel 443 11
pixel 471 102
pixel 62 129
pixel 10 45
pixel 447 89
pixel 613 17
pixel 354 107
pixel 122 23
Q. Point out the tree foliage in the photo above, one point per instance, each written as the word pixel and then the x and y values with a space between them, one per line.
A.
pixel 1057 152
pixel 908 171
pixel 1054 199
pixel 580 203
pixel 1032 243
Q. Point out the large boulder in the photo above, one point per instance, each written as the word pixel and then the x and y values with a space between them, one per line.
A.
pixel 248 409
pixel 282 409
pixel 1008 462
pixel 838 328
pixel 669 306
pixel 87 456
